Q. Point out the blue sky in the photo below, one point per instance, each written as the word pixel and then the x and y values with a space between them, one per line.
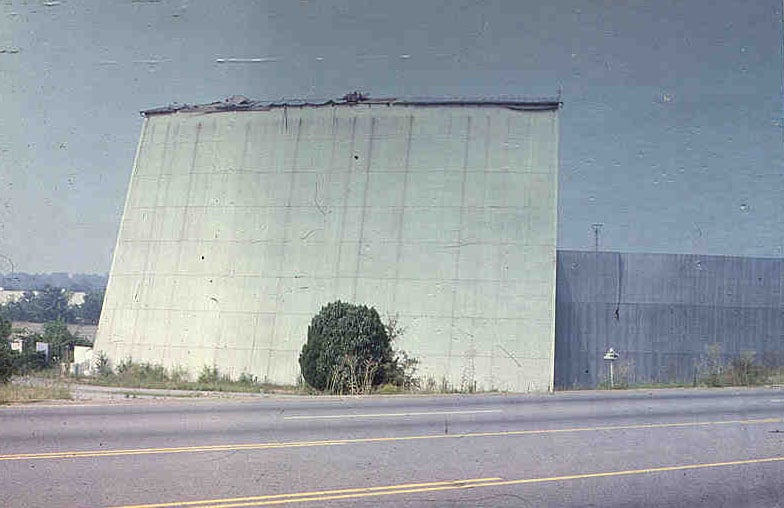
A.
pixel 671 132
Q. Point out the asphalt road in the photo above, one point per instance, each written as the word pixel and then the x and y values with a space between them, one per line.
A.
pixel 631 448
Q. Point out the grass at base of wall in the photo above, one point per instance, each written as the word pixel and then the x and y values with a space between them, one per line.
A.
pixel 14 393
pixel 146 375
pixel 703 384
pixel 213 386
pixel 640 386
pixel 157 378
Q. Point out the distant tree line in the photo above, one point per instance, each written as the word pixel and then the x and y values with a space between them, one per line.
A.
pixel 82 282
pixel 53 304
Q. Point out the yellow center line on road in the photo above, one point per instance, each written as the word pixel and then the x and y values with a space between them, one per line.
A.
pixel 390 415
pixel 360 440
pixel 358 490
pixel 332 495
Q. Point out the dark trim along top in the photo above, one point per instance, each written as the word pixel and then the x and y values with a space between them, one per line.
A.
pixel 240 103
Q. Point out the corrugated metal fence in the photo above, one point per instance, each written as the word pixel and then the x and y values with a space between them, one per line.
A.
pixel 666 314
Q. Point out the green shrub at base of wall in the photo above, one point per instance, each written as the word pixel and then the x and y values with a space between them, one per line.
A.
pixel 348 349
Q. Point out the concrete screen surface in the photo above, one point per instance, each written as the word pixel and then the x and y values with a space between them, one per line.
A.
pixel 240 225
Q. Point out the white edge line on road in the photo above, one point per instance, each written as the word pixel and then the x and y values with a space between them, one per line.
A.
pixel 389 415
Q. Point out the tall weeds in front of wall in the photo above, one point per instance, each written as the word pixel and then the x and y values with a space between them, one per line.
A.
pixel 350 378
pixel 745 369
pixel 714 369
pixel 131 374
pixel 16 392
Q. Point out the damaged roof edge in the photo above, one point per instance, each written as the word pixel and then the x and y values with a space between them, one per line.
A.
pixel 240 103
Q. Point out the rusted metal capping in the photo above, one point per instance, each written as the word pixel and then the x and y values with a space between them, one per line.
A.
pixel 240 103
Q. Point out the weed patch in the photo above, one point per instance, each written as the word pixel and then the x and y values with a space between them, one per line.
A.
pixel 14 393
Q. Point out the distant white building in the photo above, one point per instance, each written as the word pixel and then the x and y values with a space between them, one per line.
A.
pixel 77 298
pixel 83 361
pixel 9 295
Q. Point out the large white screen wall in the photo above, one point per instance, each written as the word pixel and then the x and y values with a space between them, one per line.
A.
pixel 239 225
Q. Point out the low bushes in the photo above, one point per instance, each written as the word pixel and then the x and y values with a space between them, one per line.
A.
pixel 133 374
pixel 716 369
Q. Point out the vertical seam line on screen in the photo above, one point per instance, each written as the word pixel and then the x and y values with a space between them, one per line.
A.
pixel 346 194
pixel 183 227
pixel 363 210
pixel 283 242
pixel 170 177
pixel 406 170
pixel 500 282
pixel 329 199
pixel 243 294
pixel 459 242
pixel 146 270
pixel 221 189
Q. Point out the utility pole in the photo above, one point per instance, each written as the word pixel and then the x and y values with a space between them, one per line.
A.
pixel 597 227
